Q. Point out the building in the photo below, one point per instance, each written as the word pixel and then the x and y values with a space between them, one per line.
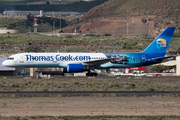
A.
pixel 16 13
pixel 67 1
pixel 6 71
pixel 40 13
pixel 178 65
pixel 171 64
pixel 24 72
pixel 62 13
pixel 10 71
pixel 21 71
pixel 4 30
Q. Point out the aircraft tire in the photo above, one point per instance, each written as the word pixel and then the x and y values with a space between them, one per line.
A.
pixel 87 74
pixel 95 74
pixel 91 74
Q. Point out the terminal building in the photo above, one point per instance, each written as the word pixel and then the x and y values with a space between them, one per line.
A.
pixel 178 65
pixel 4 30
pixel 10 71
pixel 40 13
pixel 29 72
pixel 16 12
pixel 6 71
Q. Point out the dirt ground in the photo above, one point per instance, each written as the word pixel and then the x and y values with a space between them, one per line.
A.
pixel 92 106
pixel 91 84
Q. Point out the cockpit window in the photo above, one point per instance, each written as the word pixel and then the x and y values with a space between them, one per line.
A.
pixel 10 58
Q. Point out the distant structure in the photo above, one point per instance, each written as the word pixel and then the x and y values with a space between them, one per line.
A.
pixel 16 13
pixel 41 13
pixel 178 65
pixel 10 71
pixel 66 1
pixel 62 13
pixel 88 0
pixel 35 25
pixel 4 30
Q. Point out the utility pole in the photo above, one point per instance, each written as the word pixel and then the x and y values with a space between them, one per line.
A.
pixel 60 23
pixel 53 14
pixel 114 48
pixel 53 26
pixel 127 24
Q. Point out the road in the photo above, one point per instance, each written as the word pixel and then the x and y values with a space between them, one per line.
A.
pixel 90 93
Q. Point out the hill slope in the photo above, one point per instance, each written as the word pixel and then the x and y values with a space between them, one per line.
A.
pixel 149 15
pixel 169 9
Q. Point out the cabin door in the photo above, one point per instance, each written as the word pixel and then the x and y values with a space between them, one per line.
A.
pixel 22 59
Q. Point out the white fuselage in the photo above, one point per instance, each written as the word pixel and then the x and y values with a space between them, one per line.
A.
pixel 56 60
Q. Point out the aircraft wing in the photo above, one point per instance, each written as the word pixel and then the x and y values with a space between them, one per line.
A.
pixel 168 58
pixel 96 62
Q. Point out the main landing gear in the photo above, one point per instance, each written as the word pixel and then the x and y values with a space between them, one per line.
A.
pixel 91 74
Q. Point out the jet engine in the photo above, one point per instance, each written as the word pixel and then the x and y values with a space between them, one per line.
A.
pixel 74 68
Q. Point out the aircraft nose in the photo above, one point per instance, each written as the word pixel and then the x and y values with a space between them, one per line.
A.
pixel 5 63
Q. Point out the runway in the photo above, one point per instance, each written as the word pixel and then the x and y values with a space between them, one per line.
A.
pixel 89 93
pixel 94 77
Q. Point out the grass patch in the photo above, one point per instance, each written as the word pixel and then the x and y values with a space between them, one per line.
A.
pixel 17 43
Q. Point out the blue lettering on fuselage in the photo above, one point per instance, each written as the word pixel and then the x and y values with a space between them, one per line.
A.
pixel 57 58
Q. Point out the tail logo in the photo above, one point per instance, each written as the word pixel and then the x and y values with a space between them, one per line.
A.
pixel 161 43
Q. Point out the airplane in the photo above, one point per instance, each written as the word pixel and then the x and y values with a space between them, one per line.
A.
pixel 80 62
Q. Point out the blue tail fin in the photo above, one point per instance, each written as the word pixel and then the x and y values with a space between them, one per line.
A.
pixel 160 45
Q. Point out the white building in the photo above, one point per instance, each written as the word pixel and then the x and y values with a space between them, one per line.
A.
pixel 178 65
pixel 4 30
pixel 16 13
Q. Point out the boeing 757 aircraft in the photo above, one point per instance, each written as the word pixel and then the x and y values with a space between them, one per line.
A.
pixel 79 62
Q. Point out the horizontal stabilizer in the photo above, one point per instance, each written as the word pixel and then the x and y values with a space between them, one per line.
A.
pixel 168 58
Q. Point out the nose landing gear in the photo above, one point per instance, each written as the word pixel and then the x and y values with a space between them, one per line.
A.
pixel 23 73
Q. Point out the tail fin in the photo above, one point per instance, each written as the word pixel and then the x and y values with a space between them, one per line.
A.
pixel 160 45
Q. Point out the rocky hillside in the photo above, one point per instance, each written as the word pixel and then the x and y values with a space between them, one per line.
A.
pixel 145 17
pixel 168 9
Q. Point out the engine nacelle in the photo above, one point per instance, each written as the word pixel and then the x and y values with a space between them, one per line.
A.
pixel 74 68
